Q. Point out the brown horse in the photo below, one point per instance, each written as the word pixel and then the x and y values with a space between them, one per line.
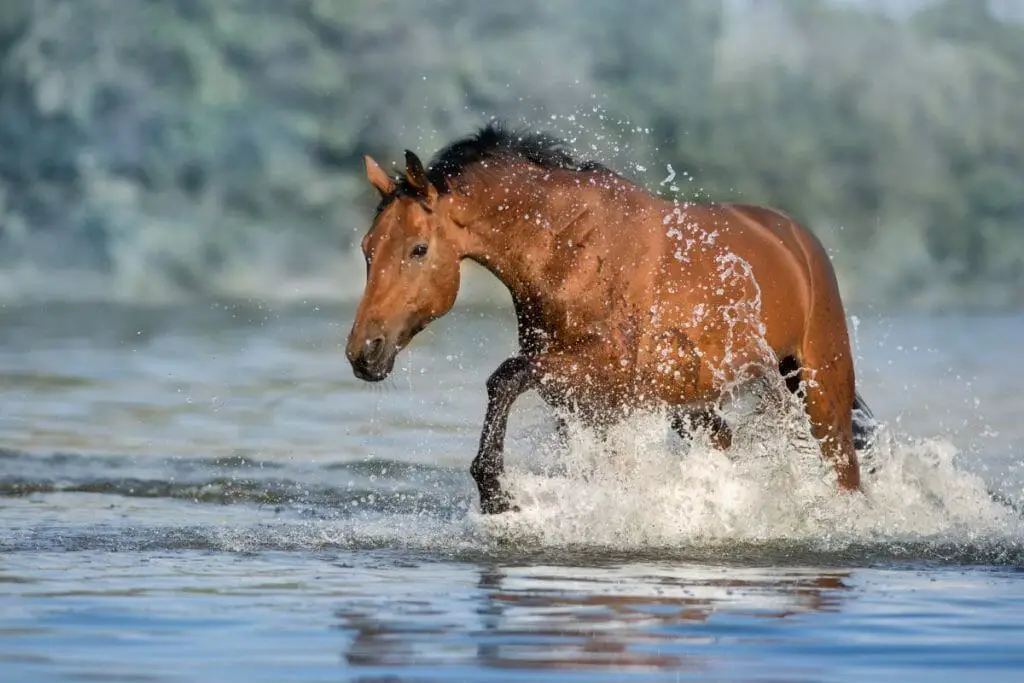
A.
pixel 623 300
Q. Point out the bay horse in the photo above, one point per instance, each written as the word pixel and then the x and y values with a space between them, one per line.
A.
pixel 623 299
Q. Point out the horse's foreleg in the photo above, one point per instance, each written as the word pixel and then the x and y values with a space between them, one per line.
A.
pixel 685 421
pixel 512 378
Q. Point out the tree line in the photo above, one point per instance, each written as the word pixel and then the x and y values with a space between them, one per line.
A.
pixel 166 145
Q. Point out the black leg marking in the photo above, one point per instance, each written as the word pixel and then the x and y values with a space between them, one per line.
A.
pixel 864 424
pixel 512 378
pixel 561 429
pixel 684 422
pixel 789 368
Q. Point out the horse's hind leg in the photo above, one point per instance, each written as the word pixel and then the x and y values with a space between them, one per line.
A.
pixel 863 420
pixel 828 400
pixel 685 421
pixel 864 424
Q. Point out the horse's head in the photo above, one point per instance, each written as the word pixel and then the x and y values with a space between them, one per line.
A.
pixel 412 256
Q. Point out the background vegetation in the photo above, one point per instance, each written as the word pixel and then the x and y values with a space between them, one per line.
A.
pixel 166 148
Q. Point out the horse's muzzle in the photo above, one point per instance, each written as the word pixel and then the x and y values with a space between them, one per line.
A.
pixel 373 359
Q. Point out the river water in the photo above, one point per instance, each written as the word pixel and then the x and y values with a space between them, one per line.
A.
pixel 206 493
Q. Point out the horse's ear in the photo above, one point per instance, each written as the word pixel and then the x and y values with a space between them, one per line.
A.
pixel 384 183
pixel 416 176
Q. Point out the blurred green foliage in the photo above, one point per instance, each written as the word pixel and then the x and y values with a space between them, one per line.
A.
pixel 210 146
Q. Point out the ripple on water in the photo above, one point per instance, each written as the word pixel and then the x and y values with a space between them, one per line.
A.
pixel 635 491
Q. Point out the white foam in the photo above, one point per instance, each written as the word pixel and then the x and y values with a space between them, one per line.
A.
pixel 642 488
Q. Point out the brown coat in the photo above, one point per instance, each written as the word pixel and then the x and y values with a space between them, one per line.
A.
pixel 623 299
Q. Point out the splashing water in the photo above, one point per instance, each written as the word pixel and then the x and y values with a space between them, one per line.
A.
pixel 638 488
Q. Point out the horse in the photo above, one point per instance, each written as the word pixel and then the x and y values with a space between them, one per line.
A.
pixel 623 299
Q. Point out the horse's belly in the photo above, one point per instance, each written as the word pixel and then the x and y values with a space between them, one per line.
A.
pixel 605 379
pixel 593 383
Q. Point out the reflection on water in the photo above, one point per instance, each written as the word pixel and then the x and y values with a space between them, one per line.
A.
pixel 637 617
pixel 387 615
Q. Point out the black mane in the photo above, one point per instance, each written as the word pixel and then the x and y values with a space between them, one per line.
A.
pixel 495 142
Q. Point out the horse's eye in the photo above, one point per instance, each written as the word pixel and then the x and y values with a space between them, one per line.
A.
pixel 419 251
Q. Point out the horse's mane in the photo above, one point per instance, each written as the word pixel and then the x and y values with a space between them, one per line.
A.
pixel 495 142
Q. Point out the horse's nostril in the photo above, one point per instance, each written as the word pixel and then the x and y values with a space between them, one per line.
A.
pixel 374 349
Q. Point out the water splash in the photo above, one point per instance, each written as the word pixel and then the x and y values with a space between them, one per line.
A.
pixel 638 492
pixel 639 489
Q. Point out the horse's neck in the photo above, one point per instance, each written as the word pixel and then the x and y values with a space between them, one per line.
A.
pixel 510 233
pixel 513 230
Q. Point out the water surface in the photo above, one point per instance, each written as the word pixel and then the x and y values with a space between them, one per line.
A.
pixel 205 493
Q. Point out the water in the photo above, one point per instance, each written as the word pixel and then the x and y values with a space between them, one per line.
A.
pixel 205 493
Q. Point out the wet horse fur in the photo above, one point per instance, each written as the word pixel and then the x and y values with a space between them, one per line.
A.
pixel 624 300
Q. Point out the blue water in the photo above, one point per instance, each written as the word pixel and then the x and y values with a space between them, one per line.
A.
pixel 328 615
pixel 204 493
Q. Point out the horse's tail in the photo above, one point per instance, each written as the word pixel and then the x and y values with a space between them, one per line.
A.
pixel 864 424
